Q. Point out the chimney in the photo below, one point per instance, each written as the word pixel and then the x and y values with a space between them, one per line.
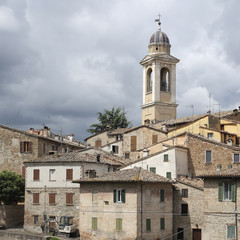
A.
pixel 145 152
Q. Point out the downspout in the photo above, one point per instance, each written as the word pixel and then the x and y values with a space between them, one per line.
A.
pixel 235 211
pixel 173 209
pixel 141 212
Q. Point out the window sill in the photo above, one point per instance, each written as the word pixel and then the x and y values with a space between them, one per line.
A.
pixel 36 203
pixel 70 204
pixel 208 163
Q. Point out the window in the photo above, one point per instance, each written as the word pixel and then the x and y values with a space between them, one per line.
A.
pixel 165 157
pixel 54 148
pixel 127 155
pixel 164 80
pixel 148 224
pixel 119 196
pixel 115 149
pixel 98 143
pixel 35 198
pixel 118 224
pixel 35 219
pixel 168 175
pixel 231 232
pixel 236 158
pixel 226 191
pixel 152 169
pixel 208 156
pixel 219 167
pixel 210 135
pixel 180 234
pixel 26 147
pixel 184 209
pixel 148 196
pixel 162 195
pixel 52 174
pixel 69 174
pixel 94 195
pixel 52 198
pixel 69 198
pixel 154 139
pixel 44 148
pixel 185 193
pixel 94 223
pixel 162 223
pixel 149 80
pixel 98 158
pixel 133 143
pixel 36 173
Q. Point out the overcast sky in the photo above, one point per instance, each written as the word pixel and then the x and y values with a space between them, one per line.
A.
pixel 61 62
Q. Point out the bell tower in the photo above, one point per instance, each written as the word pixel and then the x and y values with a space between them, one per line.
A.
pixel 159 80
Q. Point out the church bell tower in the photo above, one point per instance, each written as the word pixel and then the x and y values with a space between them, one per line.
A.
pixel 159 80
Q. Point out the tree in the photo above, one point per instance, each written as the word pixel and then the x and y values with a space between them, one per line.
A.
pixel 11 187
pixel 113 119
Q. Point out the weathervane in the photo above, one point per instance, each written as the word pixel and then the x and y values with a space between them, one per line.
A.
pixel 158 20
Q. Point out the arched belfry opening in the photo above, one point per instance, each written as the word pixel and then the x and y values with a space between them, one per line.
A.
pixel 165 80
pixel 149 80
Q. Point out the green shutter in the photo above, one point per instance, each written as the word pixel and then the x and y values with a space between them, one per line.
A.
pixel 123 195
pixel 165 157
pixel 161 195
pixel 233 191
pixel 162 223
pixel 169 175
pixel 114 195
pixel 148 224
pixel 220 192
pixel 94 223
pixel 153 169
pixel 118 224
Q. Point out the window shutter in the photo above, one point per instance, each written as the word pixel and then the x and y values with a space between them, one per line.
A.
pixel 133 143
pixel 220 192
pixel 94 223
pixel 162 223
pixel 36 175
pixel 161 195
pixel 148 224
pixel 123 195
pixel 21 147
pixel 51 198
pixel 114 195
pixel 154 139
pixel 118 224
pixel 165 157
pixel 30 147
pixel 23 172
pixel 35 198
pixel 69 174
pixel 233 191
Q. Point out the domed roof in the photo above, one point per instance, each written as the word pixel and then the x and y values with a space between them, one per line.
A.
pixel 159 37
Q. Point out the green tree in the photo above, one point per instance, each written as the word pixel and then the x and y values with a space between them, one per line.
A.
pixel 11 187
pixel 113 119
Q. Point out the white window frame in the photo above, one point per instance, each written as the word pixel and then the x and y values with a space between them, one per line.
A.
pixel 234 157
pixel 119 195
pixel 229 191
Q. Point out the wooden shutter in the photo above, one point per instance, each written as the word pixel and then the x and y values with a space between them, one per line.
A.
pixel 23 172
pixel 162 223
pixel 118 224
pixel 36 174
pixel 98 143
pixel 69 198
pixel 233 191
pixel 94 223
pixel 114 195
pixel 69 174
pixel 30 147
pixel 162 195
pixel 154 139
pixel 123 196
pixel 35 198
pixel 133 143
pixel 52 198
pixel 148 224
pixel 21 146
pixel 220 192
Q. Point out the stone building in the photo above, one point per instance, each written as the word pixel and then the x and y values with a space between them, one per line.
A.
pixel 188 209
pixel 17 146
pixel 221 204
pixel 50 193
pixel 128 204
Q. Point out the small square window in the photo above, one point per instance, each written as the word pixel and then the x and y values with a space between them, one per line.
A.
pixel 236 158
pixel 127 155
pixel 152 169
pixel 165 157
pixel 185 193
pixel 210 135
pixel 35 219
pixel 115 149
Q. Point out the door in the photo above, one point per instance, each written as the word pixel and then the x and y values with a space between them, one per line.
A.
pixel 197 234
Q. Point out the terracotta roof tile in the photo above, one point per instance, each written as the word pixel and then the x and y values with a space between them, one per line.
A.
pixel 232 172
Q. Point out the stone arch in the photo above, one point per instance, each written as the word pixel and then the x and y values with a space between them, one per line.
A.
pixel 149 80
pixel 165 80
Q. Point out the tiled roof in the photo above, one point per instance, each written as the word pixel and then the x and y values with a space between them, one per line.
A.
pixel 232 172
pixel 129 175
pixel 192 182
pixel 87 155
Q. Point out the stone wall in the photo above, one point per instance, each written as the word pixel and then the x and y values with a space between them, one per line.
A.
pixel 11 215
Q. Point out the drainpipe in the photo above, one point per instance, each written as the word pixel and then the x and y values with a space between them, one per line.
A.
pixel 236 213
pixel 141 212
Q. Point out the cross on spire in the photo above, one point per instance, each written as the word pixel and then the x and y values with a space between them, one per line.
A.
pixel 158 20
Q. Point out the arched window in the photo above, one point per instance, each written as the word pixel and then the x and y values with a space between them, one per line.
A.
pixel 165 80
pixel 149 80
